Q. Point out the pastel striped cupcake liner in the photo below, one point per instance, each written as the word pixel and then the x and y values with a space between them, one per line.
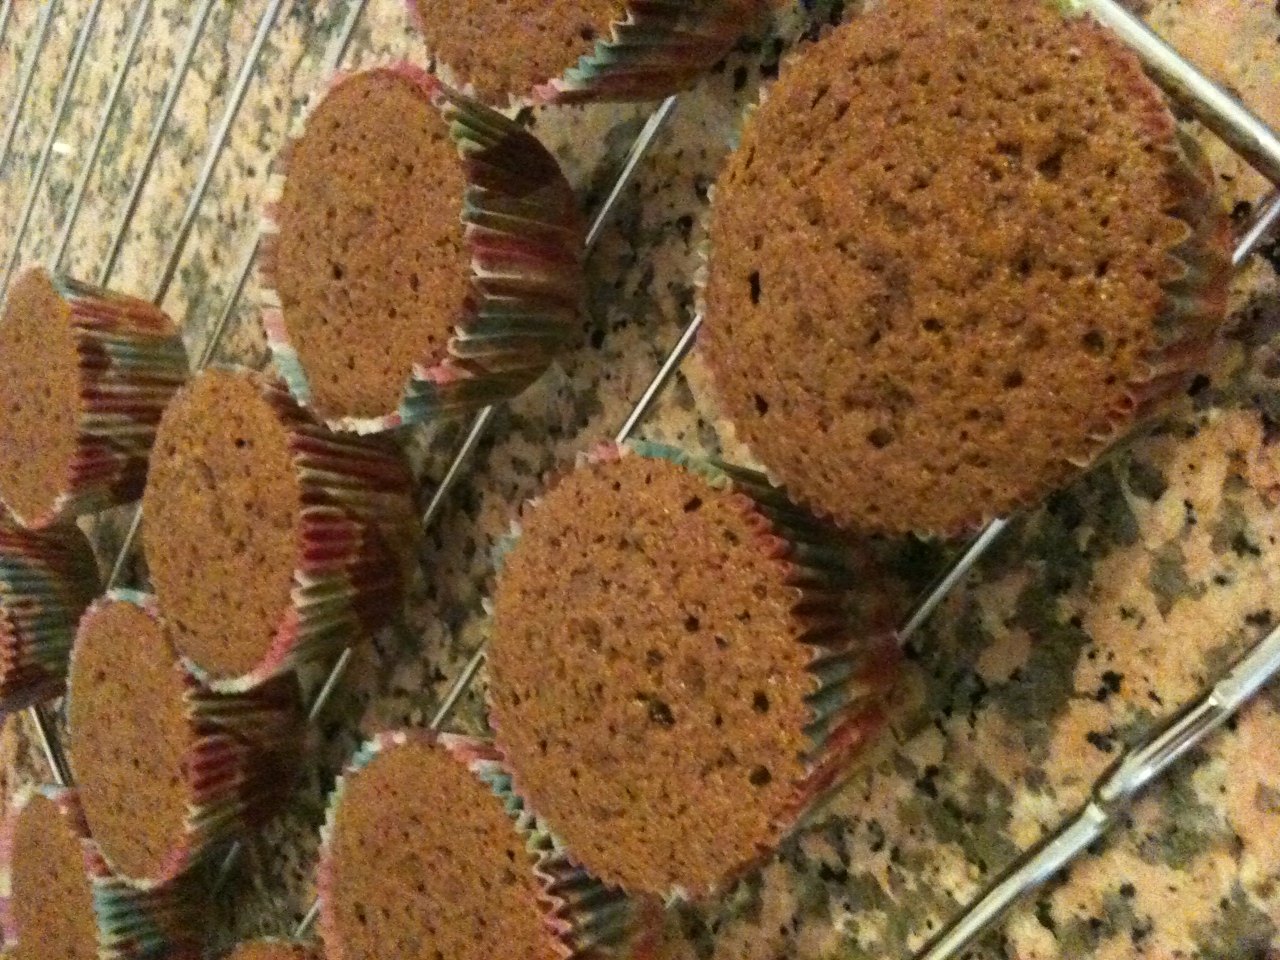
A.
pixel 585 920
pixel 158 923
pixel 524 231
pixel 131 363
pixel 47 579
pixel 240 767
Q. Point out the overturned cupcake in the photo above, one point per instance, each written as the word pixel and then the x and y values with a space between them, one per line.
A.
pixel 84 375
pixel 679 668
pixel 423 256
pixel 47 579
pixel 508 52
pixel 268 538
pixel 428 852
pixel 58 899
pixel 961 250
pixel 169 771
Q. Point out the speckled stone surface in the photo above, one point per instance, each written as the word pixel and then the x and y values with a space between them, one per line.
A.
pixel 1098 615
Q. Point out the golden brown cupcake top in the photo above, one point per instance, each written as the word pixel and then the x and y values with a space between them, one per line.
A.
pixel 52 901
pixel 371 265
pixel 39 396
pixel 505 49
pixel 222 515
pixel 939 260
pixel 129 737
pixel 273 950
pixel 646 676
pixel 425 862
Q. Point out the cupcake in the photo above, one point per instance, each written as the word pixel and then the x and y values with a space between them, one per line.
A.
pixel 47 578
pixel 423 255
pixel 84 375
pixel 273 950
pixel 577 51
pixel 57 898
pixel 961 251
pixel 167 770
pixel 426 853
pixel 679 668
pixel 266 536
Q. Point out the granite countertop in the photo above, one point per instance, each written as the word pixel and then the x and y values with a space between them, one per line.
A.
pixel 1099 614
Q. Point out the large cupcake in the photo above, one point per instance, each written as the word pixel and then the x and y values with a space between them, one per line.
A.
pixel 961 250
pixel 58 899
pixel 424 254
pixel 273 950
pixel 84 375
pixel 574 51
pixel 168 771
pixel 47 579
pixel 679 668
pixel 428 853
pixel 268 538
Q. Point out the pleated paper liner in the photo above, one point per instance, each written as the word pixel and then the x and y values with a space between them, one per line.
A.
pixel 161 923
pixel 525 234
pixel 585 920
pixel 651 50
pixel 241 766
pixel 347 582
pixel 855 653
pixel 1196 284
pixel 47 579
pixel 131 362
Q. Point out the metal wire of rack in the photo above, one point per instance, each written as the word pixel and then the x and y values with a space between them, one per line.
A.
pixel 1247 135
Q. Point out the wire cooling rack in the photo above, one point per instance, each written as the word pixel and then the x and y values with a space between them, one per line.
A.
pixel 1249 137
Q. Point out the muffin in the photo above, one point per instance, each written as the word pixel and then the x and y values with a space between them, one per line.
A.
pixel 268 538
pixel 427 852
pixel 60 901
pixel 47 579
pixel 423 256
pixel 961 251
pixel 84 375
pixel 168 770
pixel 273 950
pixel 679 668
pixel 576 51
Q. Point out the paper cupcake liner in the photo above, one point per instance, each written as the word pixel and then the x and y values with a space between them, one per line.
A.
pixel 132 924
pixel 131 363
pixel 654 48
pixel 585 920
pixel 241 766
pixel 524 232
pixel 855 651
pixel 47 579
pixel 347 582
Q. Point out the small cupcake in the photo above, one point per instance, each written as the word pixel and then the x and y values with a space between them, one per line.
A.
pixel 961 250
pixel 84 375
pixel 424 256
pixel 273 950
pixel 47 579
pixel 267 537
pixel 58 899
pixel 167 770
pixel 679 667
pixel 427 852
pixel 579 51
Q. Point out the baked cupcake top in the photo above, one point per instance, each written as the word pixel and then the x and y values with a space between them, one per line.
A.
pixel 960 246
pixel 647 678
pixel 505 49
pixel 222 515
pixel 51 905
pixel 371 267
pixel 129 737
pixel 273 950
pixel 39 396
pixel 422 860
